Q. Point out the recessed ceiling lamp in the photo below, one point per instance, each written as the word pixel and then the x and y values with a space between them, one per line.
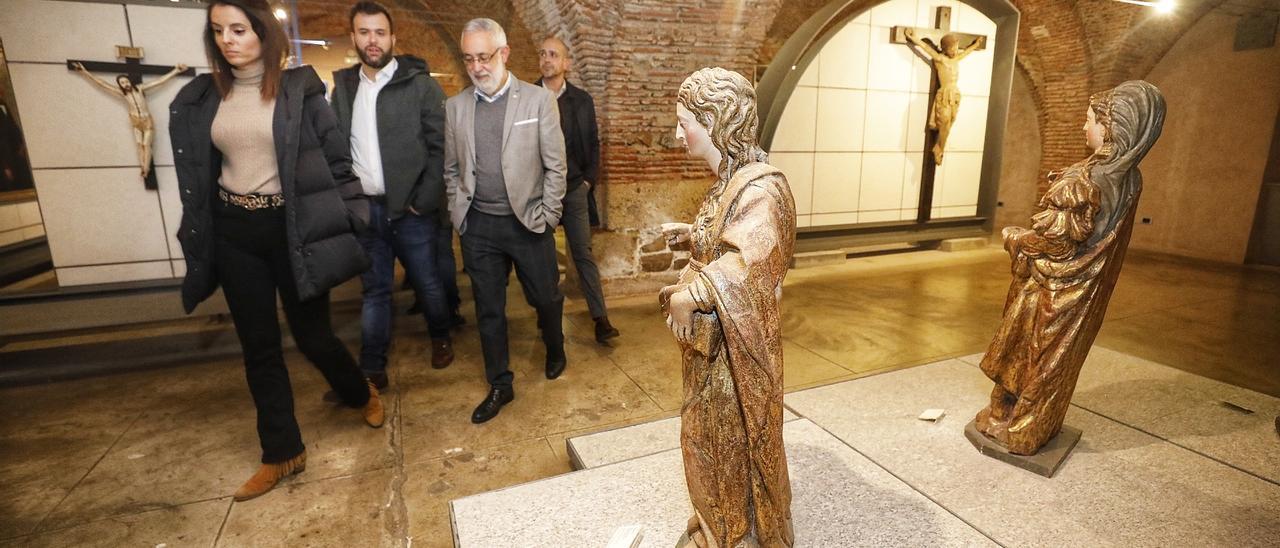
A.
pixel 1162 6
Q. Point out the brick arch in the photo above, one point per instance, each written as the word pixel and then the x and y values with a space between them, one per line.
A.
pixel 1060 70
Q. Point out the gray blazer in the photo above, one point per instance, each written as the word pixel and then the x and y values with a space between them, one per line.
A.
pixel 533 158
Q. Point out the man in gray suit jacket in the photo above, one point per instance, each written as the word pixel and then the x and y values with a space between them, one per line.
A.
pixel 504 168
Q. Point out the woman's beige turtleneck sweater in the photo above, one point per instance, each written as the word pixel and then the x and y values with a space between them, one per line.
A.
pixel 242 133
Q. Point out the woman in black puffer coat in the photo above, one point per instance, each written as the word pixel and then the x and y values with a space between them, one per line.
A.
pixel 269 205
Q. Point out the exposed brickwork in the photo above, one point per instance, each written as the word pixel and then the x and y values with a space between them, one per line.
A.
pixel 632 55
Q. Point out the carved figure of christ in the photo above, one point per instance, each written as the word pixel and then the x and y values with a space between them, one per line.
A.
pixel 135 99
pixel 940 48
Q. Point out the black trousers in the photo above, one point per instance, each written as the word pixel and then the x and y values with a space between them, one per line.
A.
pixel 252 262
pixel 491 245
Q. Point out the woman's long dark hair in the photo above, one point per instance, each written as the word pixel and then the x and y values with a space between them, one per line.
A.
pixel 275 44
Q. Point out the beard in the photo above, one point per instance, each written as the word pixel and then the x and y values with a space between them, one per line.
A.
pixel 490 84
pixel 381 62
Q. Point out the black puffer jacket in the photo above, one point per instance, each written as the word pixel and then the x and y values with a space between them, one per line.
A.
pixel 410 120
pixel 315 174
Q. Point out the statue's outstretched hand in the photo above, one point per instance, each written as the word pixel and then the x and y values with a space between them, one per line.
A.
pixel 676 233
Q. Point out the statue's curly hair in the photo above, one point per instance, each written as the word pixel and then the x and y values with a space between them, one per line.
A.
pixel 724 102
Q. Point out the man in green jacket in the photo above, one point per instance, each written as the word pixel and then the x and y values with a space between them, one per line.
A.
pixel 393 111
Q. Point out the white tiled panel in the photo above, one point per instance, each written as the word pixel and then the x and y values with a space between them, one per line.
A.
pixel 887 116
pixel 881 187
pixel 798 167
pixel 69 122
pixel 52 32
pixel 835 182
pixel 168 35
pixel 917 120
pixel 889 67
pixel 970 128
pixel 170 208
pixel 842 61
pixel 99 216
pixel 840 120
pixel 796 128
pixel 866 99
pixel 131 272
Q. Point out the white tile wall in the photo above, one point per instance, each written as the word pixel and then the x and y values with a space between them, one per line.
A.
pixel 881 185
pixel 841 64
pixel 959 186
pixel 169 35
pixel 835 182
pixel 798 167
pixel 796 128
pixel 52 32
pixel 831 219
pixel 887 118
pixel 97 216
pixel 85 275
pixel 69 122
pixel 170 208
pixel 840 120
pixel 861 80
pixel 878 216
pixel 103 226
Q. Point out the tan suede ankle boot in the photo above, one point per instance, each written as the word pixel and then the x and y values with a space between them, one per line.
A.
pixel 373 411
pixel 269 475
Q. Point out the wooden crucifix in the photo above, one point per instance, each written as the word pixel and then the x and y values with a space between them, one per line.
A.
pixel 941 49
pixel 132 90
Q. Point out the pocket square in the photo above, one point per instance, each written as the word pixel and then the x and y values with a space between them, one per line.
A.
pixel 523 122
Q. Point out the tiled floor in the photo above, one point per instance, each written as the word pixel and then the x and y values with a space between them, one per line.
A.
pixel 151 457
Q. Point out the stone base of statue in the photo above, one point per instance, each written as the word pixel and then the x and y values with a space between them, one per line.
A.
pixel 1045 462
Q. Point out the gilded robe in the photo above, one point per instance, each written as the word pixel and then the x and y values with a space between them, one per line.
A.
pixel 1064 269
pixel 731 433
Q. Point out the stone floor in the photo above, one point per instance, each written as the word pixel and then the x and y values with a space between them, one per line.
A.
pixel 151 457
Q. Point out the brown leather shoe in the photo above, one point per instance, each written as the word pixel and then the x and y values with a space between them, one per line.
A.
pixel 374 414
pixel 269 475
pixel 441 353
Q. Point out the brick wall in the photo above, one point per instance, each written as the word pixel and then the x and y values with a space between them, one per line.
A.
pixel 632 55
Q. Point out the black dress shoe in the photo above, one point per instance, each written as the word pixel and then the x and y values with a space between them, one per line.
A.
pixel 492 403
pixel 556 362
pixel 605 330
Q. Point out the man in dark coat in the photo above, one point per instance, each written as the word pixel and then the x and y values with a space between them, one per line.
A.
pixel 393 110
pixel 582 149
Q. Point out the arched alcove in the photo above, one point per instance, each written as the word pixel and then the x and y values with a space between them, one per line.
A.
pixel 844 110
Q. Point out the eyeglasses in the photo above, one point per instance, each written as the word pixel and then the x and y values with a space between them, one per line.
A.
pixel 482 59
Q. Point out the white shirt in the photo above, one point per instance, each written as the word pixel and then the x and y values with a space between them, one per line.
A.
pixel 563 85
pixel 366 156
pixel 497 95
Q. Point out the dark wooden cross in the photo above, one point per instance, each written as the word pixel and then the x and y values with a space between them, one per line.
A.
pixel 132 68
pixel 932 36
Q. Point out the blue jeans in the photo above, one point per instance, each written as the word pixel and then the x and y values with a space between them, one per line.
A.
pixel 412 239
